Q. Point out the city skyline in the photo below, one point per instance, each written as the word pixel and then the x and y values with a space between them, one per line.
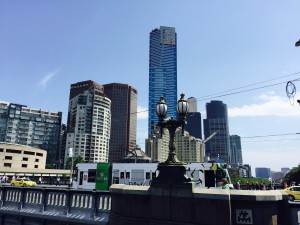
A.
pixel 46 46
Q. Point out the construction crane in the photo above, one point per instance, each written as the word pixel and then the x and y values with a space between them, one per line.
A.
pixel 210 136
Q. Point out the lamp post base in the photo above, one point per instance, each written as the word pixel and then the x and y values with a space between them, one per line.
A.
pixel 171 174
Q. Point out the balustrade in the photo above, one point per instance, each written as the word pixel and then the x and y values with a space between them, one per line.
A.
pixel 65 203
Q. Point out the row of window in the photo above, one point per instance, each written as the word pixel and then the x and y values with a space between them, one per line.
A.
pixel 20 152
pixel 23 165
pixel 24 158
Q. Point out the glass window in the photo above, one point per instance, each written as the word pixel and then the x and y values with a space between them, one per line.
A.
pixel 92 175
pixel 147 175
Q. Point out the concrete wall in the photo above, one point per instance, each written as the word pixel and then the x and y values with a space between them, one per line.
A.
pixel 186 205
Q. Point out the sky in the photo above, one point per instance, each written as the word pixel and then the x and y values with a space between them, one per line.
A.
pixel 240 52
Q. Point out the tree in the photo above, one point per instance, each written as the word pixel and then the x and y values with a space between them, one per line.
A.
pixel 76 160
pixel 293 176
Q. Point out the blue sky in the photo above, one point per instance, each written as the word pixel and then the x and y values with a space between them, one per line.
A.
pixel 47 45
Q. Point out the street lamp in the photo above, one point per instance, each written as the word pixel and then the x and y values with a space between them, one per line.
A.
pixel 172 171
pixel 71 169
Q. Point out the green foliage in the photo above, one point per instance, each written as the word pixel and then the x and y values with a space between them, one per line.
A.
pixel 250 180
pixel 76 160
pixel 293 176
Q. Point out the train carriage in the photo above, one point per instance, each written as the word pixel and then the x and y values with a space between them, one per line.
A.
pixel 101 175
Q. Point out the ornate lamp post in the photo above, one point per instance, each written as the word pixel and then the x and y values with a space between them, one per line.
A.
pixel 172 171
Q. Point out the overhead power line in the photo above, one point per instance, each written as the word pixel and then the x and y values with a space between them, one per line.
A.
pixel 271 135
pixel 234 90
pixel 275 140
pixel 250 85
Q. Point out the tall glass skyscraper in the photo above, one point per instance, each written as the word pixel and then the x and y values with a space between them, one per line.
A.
pixel 123 120
pixel 217 120
pixel 236 149
pixel 162 72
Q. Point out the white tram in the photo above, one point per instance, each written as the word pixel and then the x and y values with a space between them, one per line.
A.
pixel 204 174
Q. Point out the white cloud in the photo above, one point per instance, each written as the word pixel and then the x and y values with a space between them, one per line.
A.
pixel 142 113
pixel 271 105
pixel 45 80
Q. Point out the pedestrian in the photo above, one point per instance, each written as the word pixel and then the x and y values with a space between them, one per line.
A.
pixel 58 181
pixel 247 185
pixel 256 186
pixel 225 184
pixel 238 185
pixel 40 180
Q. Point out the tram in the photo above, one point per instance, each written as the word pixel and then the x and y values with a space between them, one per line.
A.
pixel 100 176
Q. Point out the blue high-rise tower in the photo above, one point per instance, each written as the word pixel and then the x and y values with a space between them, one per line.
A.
pixel 162 72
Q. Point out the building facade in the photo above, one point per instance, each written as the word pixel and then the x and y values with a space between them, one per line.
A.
pixel 89 121
pixel 62 146
pixel 263 172
pixel 17 156
pixel 37 128
pixel 162 72
pixel 123 120
pixel 217 120
pixel 188 148
pixel 236 149
pixel 157 146
pixel 193 119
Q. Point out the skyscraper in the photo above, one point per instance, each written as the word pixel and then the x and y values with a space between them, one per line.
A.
pixel 262 172
pixel 89 119
pixel 162 72
pixel 217 120
pixel 236 149
pixel 37 128
pixel 193 119
pixel 123 119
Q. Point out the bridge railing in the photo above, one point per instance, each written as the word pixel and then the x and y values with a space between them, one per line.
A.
pixel 62 200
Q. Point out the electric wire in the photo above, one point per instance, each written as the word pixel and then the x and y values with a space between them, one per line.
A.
pixel 272 135
pixel 220 94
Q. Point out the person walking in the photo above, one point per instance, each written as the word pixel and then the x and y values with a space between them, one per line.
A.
pixel 225 184
pixel 238 185
pixel 58 181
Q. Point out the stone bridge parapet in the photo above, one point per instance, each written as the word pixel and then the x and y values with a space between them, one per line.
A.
pixel 56 206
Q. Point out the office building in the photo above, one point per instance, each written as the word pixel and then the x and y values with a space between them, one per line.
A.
pixel 236 149
pixel 62 146
pixel 17 156
pixel 157 145
pixel 217 121
pixel 193 119
pixel 285 170
pixel 123 120
pixel 262 172
pixel 37 128
pixel 188 148
pixel 162 73
pixel 89 120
